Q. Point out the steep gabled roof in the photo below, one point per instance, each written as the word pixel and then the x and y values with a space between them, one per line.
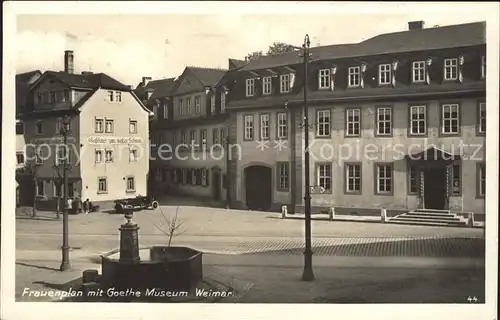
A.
pixel 235 63
pixel 162 88
pixel 207 76
pixel 88 80
pixel 23 83
pixel 460 35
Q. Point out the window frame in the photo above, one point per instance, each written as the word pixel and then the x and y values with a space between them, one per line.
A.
pixel 99 179
pixel 130 123
pixel 279 176
pixel 480 168
pixel 356 75
pixel 250 136
pixel 222 102
pixel 453 68
pixel 410 179
pixel 280 126
pixel 197 104
pixel 127 186
pixel 37 124
pixel 285 83
pixel 479 130
pixel 416 68
pixel 118 96
pixel 111 152
pixel 377 166
pixel 42 194
pixel 458 193
pixel 267 83
pixel 390 121
pixel 135 157
pixel 442 119
pixel 96 152
pixel 250 84
pixel 411 121
pixel 325 124
pixel 347 178
pixel 347 122
pixel 106 122
pixel 111 96
pixel 384 73
pixel 318 177
pixel 267 126
pixel 324 75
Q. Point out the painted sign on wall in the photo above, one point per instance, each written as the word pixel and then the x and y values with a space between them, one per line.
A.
pixel 114 140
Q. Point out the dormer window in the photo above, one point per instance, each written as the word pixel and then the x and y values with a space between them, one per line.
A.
pixel 418 71
pixel 212 104
pixel 266 85
pixel 354 77
pixel 222 102
pixel 181 106
pixel 197 104
pixel 250 87
pixel 189 107
pixel 324 78
pixel 451 69
pixel 285 83
pixel 384 74
pixel 483 67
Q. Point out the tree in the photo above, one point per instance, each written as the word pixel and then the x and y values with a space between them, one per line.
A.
pixel 170 226
pixel 253 56
pixel 31 168
pixel 278 48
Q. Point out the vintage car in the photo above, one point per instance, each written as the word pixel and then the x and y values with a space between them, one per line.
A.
pixel 136 204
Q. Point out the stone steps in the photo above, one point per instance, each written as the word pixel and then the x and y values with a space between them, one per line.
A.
pixel 429 217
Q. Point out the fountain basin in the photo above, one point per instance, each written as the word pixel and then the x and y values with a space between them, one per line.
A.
pixel 160 267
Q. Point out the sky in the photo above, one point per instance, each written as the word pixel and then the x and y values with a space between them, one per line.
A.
pixel 131 46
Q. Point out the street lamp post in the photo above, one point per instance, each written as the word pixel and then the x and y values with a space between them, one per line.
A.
pixel 228 163
pixel 65 130
pixel 307 274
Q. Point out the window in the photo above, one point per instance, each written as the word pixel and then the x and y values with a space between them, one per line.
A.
pixel 266 85
pixel 118 96
pixel 109 156
pixel 413 179
pixel 133 155
pixel 283 176
pixel 215 136
pixel 285 83
pixel 20 157
pixel 282 126
pixel 19 128
pixel 481 126
pixel 111 96
pixel 181 106
pixel 102 185
pixel 132 126
pixel 384 121
pixel 184 175
pixel 222 134
pixel 323 123
pixel 66 95
pixel 63 154
pixel 384 178
pixel 212 104
pixel 222 102
pixel 451 69
pixel 324 176
pixel 456 181
pixel 324 78
pixel 175 176
pixel 481 176
pixel 184 138
pixel 58 189
pixel 248 127
pixel 354 77
pixel 204 180
pixel 40 188
pixel 250 87
pixel 52 97
pixel 483 67
pixel 264 127
pixel 189 106
pixel 155 110
pixel 353 124
pixel 109 126
pixel 197 104
pixel 418 120
pixel 192 137
pixel 130 184
pixel 39 128
pixel 165 110
pixel 203 139
pixel 353 177
pixel 450 119
pixel 384 74
pixel 39 96
pixel 99 126
pixel 418 71
pixel 174 139
pixel 98 156
pixel 46 97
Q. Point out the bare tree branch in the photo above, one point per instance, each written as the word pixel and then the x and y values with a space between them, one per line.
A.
pixel 171 226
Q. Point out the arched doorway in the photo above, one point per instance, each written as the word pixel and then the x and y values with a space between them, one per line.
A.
pixel 258 186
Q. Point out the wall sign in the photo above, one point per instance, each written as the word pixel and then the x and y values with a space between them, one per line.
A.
pixel 114 140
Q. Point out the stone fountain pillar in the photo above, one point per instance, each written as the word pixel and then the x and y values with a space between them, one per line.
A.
pixel 129 241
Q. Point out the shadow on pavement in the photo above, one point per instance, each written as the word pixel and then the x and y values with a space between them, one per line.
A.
pixel 437 247
pixel 35 266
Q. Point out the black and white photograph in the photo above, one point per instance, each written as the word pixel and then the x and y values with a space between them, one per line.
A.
pixel 282 159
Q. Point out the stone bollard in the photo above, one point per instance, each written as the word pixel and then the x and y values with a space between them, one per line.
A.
pixel 90 275
pixel 383 215
pixel 284 211
pixel 470 218
pixel 331 213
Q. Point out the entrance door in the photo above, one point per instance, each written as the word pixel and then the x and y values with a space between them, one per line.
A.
pixel 435 188
pixel 216 184
pixel 258 185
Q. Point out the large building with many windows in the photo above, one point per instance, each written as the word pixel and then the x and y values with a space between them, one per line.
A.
pixel 396 121
pixel 108 152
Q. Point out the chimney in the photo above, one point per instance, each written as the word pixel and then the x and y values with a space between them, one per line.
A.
pixel 415 25
pixel 69 66
pixel 145 80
